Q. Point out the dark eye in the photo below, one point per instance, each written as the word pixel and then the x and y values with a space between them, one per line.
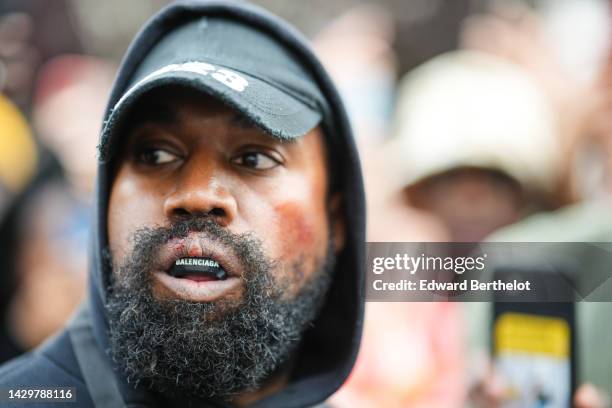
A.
pixel 156 156
pixel 256 161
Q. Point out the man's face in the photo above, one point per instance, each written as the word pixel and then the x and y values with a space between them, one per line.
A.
pixel 191 157
pixel 194 179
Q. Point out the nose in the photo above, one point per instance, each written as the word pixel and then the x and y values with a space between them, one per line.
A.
pixel 200 191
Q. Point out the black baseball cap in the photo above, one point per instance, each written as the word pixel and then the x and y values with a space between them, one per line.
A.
pixel 244 67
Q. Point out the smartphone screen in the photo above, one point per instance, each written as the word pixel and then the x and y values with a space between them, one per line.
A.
pixel 533 351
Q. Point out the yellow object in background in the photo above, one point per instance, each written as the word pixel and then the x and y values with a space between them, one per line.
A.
pixel 18 154
pixel 530 334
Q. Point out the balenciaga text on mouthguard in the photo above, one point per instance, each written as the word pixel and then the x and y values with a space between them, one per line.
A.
pixel 197 266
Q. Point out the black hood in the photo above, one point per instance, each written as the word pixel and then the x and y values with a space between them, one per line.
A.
pixel 331 344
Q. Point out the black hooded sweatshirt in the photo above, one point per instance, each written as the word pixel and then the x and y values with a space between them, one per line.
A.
pixel 77 356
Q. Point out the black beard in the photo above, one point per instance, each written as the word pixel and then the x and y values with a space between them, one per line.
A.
pixel 209 350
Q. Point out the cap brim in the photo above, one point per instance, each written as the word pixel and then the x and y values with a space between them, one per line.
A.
pixel 270 108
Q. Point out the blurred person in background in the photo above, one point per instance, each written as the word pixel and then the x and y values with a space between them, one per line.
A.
pixel 35 235
pixel 51 218
pixel 45 231
pixel 26 41
pixel 18 161
pixel 474 143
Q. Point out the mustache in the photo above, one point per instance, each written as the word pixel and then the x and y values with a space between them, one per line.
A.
pixel 160 235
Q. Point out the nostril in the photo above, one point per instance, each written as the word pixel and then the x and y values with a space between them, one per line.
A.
pixel 217 212
pixel 181 212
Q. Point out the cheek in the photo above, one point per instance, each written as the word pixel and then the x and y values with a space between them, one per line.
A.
pixel 299 240
pixel 298 230
pixel 130 207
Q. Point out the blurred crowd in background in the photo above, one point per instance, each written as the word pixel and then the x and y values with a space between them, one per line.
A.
pixel 476 120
